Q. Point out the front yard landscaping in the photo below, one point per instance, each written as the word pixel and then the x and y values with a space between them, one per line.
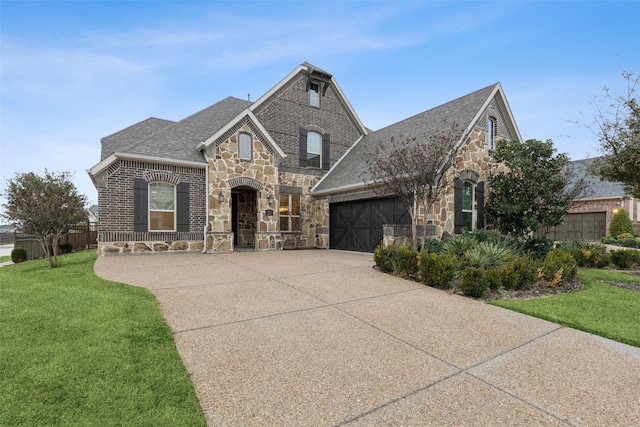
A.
pixel 79 350
pixel 578 284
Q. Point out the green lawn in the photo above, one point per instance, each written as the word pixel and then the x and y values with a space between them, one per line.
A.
pixel 5 258
pixel 79 350
pixel 600 309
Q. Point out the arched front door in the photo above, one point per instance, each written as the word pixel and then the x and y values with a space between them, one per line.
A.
pixel 243 217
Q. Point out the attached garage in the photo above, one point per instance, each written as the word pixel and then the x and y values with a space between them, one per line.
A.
pixel 591 226
pixel 357 225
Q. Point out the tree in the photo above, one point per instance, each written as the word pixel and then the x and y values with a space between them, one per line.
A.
pixel 44 206
pixel 412 169
pixel 620 223
pixel 617 127
pixel 532 192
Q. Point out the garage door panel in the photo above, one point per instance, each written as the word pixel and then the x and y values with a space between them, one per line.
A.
pixel 590 226
pixel 357 225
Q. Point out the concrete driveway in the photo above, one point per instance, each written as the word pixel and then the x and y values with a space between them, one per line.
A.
pixel 319 338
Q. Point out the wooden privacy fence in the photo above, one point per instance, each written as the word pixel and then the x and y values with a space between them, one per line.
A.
pixel 80 239
pixel 6 238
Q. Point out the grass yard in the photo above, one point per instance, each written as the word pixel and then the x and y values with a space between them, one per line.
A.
pixel 600 309
pixel 5 258
pixel 79 350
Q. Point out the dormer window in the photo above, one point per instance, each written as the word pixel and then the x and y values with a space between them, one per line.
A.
pixel 491 132
pixel 314 95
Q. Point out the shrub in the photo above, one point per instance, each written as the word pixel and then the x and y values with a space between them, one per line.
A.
pixel 525 269
pixel 405 260
pixel 607 240
pixel 538 247
pixel 556 260
pixel 458 245
pixel 18 254
pixel 620 223
pixel 437 270
pixel 624 236
pixel 629 243
pixel 474 282
pixel 65 247
pixel 625 258
pixel 487 255
pixel 494 278
pixel 382 256
pixel 432 245
pixel 587 254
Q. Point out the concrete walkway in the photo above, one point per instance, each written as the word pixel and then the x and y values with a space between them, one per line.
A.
pixel 320 338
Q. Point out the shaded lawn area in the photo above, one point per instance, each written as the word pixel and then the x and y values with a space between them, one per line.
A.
pixel 5 258
pixel 79 350
pixel 601 309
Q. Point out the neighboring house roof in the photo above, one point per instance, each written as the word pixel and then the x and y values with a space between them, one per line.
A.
pixel 596 188
pixel 463 111
pixel 127 136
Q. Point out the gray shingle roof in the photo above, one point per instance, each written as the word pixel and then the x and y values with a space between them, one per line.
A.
pixel 597 188
pixel 127 136
pixel 179 140
pixel 460 111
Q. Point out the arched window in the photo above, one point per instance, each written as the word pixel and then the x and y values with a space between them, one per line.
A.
pixel 244 146
pixel 162 207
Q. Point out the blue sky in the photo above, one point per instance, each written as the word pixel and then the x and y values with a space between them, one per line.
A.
pixel 74 72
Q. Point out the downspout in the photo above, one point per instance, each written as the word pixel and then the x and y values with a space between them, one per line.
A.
pixel 206 204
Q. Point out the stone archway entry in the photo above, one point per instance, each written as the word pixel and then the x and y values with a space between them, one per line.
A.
pixel 243 217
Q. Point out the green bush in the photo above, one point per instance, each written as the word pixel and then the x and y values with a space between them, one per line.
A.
pixel 624 236
pixel 405 260
pixel 65 247
pixel 620 223
pixel 525 270
pixel 587 254
pixel 625 258
pixel 629 243
pixel 383 258
pixel 559 259
pixel 494 278
pixel 537 247
pixel 608 240
pixel 458 245
pixel 474 282
pixel 510 277
pixel 18 254
pixel 432 245
pixel 487 255
pixel 437 270
pixel 400 259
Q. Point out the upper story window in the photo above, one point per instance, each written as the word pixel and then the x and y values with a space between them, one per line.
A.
pixel 244 146
pixel 289 212
pixel 314 97
pixel 314 149
pixel 162 207
pixel 491 132
pixel 467 205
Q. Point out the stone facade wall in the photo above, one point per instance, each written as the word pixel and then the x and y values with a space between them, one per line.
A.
pixel 258 175
pixel 473 157
pixel 115 198
pixel 288 110
pixel 314 212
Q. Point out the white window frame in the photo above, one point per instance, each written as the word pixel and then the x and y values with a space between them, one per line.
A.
pixel 314 95
pixel 150 209
pixel 472 211
pixel 285 212
pixel 318 154
pixel 250 148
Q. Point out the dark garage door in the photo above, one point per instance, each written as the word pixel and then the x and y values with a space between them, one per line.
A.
pixel 590 226
pixel 357 225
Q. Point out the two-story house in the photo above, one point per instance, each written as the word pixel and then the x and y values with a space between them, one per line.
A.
pixel 281 172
